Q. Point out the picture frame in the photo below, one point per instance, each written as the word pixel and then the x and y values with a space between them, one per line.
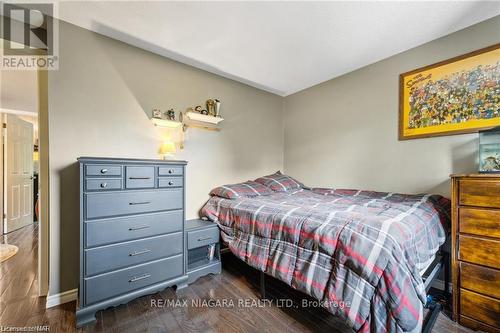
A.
pixel 455 96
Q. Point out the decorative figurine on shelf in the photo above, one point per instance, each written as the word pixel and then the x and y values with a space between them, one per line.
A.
pixel 217 108
pixel 157 114
pixel 200 110
pixel 211 107
pixel 489 151
pixel 170 114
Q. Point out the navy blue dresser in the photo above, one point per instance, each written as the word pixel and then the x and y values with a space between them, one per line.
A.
pixel 131 231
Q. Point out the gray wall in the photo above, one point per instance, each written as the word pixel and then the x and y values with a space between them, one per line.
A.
pixel 344 133
pixel 99 101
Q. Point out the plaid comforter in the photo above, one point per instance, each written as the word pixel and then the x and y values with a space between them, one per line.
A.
pixel 358 252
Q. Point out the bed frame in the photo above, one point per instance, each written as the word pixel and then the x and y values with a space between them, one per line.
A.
pixel 442 262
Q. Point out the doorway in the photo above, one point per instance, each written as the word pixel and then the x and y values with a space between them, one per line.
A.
pixel 24 167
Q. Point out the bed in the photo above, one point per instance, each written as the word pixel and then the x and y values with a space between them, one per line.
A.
pixel 360 253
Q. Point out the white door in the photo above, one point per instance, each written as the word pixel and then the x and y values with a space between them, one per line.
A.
pixel 18 173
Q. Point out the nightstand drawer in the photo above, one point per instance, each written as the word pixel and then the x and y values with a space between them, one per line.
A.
pixel 103 170
pixel 481 193
pixel 480 251
pixel 103 184
pixel 198 238
pixel 479 221
pixel 480 279
pixel 140 177
pixel 112 257
pixel 483 308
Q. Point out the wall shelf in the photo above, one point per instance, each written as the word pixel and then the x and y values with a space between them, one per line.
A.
pixel 166 123
pixel 203 118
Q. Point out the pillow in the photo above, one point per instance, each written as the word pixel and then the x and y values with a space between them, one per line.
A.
pixel 246 189
pixel 279 182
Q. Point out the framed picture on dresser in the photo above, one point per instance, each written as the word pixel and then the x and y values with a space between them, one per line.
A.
pixel 455 96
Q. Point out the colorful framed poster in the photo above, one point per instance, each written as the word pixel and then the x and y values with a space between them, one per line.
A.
pixel 456 96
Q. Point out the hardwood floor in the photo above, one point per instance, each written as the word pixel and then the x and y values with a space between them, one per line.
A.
pixel 20 306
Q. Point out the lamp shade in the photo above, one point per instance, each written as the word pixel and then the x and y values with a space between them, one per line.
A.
pixel 167 147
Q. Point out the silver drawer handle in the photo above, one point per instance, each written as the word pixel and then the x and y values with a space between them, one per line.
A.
pixel 138 278
pixel 104 170
pixel 170 183
pixel 204 238
pixel 139 178
pixel 136 253
pixel 139 228
pixel 139 203
pixel 104 185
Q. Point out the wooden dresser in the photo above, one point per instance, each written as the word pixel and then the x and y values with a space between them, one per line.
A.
pixel 131 231
pixel 476 250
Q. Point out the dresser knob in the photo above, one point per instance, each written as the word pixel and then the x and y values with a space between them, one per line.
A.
pixel 170 183
pixel 170 170
pixel 104 170
pixel 104 185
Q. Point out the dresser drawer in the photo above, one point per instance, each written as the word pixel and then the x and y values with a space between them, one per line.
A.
pixel 115 283
pixel 481 193
pixel 479 221
pixel 103 170
pixel 483 308
pixel 120 229
pixel 170 171
pixel 140 176
pixel 134 202
pixel 480 279
pixel 479 251
pixel 112 257
pixel 103 184
pixel 170 182
pixel 477 325
pixel 198 238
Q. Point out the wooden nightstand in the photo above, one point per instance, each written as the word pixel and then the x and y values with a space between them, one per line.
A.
pixel 476 250
pixel 201 236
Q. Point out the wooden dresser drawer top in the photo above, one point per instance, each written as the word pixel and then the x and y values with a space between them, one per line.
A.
pixel 118 282
pixel 483 308
pixel 99 205
pixel 126 228
pixel 479 221
pixel 109 258
pixel 103 170
pixel 479 192
pixel 480 251
pixel 170 170
pixel 480 279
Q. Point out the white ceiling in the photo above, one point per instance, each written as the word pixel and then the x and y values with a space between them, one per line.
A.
pixel 281 47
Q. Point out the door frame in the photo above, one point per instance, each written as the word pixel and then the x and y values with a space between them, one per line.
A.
pixel 43 204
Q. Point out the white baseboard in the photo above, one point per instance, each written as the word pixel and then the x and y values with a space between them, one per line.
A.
pixel 64 297
pixel 439 284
